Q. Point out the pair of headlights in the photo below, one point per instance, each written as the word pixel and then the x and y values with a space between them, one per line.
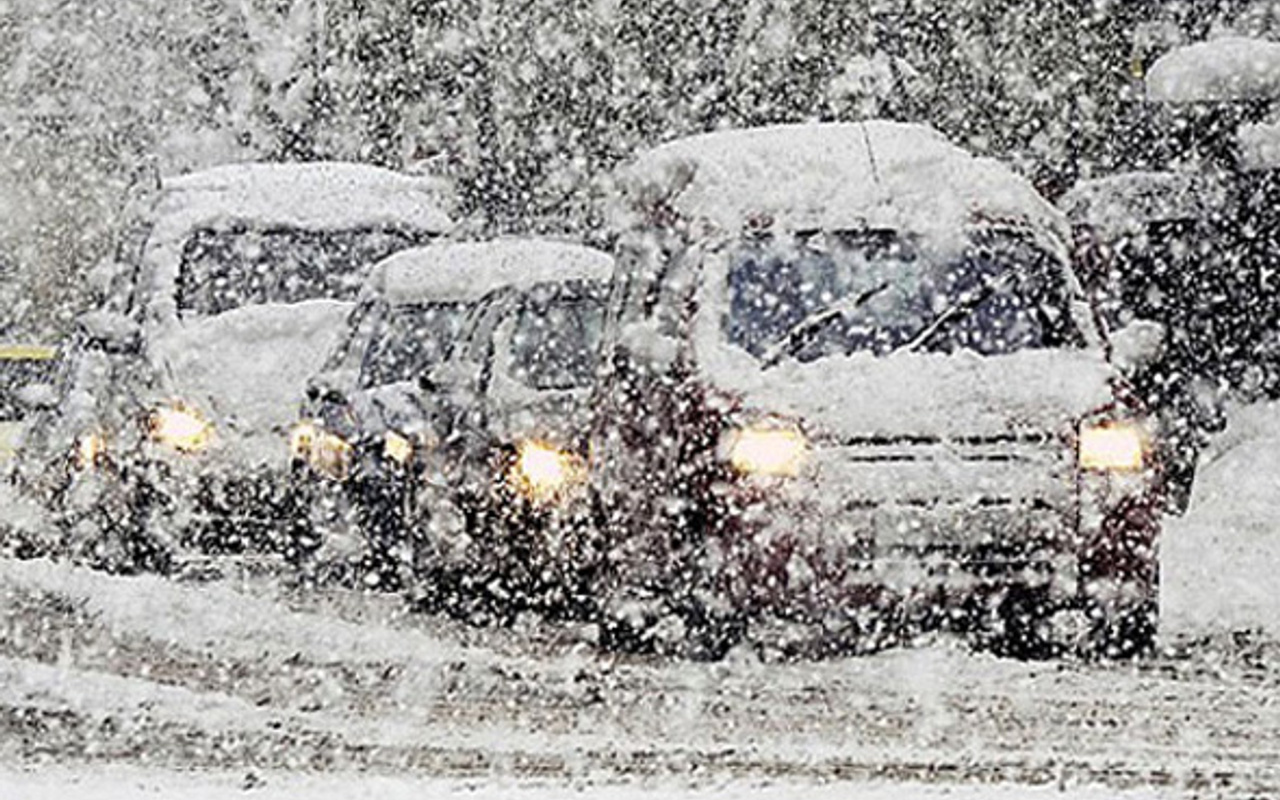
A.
pixel 174 425
pixel 1113 446
pixel 330 454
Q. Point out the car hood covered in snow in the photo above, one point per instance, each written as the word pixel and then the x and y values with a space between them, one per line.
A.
pixel 246 370
pixel 919 395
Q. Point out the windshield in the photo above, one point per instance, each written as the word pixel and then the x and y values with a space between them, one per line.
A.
pixel 224 270
pixel 409 341
pixel 557 336
pixel 877 291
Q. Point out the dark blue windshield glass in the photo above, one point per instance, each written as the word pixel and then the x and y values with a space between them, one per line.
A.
pixel 878 292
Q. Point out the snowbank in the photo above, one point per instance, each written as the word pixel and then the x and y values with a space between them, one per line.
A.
pixel 1231 68
pixel 1220 561
pixel 466 271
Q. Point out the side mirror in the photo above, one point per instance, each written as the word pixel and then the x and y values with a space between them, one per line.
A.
pixel 1136 345
pixel 114 333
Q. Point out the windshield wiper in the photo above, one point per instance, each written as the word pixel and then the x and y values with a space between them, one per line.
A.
pixel 803 331
pixel 960 306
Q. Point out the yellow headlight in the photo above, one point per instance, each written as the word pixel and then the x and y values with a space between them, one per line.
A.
pixel 768 451
pixel 181 428
pixel 1112 446
pixel 88 448
pixel 543 471
pixel 301 439
pixel 396 447
pixel 327 453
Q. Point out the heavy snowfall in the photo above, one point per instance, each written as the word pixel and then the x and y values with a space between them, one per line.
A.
pixel 781 398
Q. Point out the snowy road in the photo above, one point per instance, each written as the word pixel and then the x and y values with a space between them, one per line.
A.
pixel 240 676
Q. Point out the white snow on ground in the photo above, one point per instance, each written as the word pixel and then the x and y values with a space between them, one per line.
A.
pixel 202 616
pixel 1230 68
pixel 1221 562
pixel 57 783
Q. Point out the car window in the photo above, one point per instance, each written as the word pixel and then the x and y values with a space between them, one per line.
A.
pixel 224 270
pixel 556 339
pixel 411 340
pixel 17 373
pixel 876 291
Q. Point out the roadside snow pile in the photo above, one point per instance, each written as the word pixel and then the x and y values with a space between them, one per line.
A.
pixel 1220 561
pixel 1230 68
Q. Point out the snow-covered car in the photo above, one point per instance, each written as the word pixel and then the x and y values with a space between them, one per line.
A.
pixel 853 389
pixel 501 506
pixel 230 288
pixel 362 428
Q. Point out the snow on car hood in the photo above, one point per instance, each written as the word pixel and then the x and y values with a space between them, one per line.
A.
pixel 247 369
pixel 919 394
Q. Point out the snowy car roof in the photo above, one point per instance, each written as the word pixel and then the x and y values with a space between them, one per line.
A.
pixel 1230 68
pixel 316 195
pixel 465 271
pixel 877 173
pixel 1130 200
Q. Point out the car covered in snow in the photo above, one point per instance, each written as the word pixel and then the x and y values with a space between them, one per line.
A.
pixel 500 499
pixel 229 289
pixel 362 427
pixel 853 389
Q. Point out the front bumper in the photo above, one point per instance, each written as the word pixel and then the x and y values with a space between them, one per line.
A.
pixel 930 529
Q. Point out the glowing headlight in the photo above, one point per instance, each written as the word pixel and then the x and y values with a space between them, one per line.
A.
pixel 396 447
pixel 768 451
pixel 181 428
pixel 542 471
pixel 301 439
pixel 88 448
pixel 1112 446
pixel 327 453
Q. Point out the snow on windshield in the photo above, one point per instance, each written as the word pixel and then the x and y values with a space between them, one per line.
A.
pixel 879 291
